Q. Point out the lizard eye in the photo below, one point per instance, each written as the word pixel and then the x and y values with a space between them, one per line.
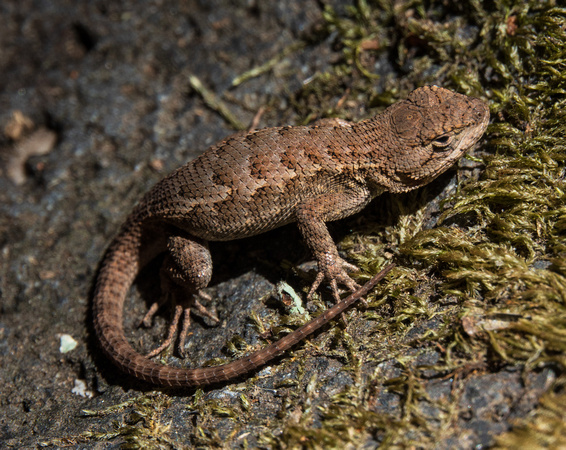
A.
pixel 442 141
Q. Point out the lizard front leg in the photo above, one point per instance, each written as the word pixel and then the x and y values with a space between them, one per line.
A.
pixel 312 215
pixel 186 270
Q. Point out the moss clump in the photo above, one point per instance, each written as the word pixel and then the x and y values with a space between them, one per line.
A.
pixel 544 428
pixel 142 428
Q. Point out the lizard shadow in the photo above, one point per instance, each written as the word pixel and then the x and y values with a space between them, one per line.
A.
pixel 244 273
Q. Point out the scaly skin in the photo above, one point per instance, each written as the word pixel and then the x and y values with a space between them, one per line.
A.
pixel 255 182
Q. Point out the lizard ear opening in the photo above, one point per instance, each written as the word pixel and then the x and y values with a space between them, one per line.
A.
pixel 406 120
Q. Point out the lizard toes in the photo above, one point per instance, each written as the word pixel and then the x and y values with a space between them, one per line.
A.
pixel 349 267
pixel 170 333
pixel 336 274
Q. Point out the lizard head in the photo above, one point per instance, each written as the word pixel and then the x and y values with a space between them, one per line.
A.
pixel 429 132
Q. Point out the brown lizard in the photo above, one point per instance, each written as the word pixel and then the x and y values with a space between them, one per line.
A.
pixel 251 183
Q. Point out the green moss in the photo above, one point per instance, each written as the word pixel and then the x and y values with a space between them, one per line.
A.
pixel 544 428
pixel 141 428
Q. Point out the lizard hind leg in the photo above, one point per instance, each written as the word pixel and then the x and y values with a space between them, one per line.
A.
pixel 186 270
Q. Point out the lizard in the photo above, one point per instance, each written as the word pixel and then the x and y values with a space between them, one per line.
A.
pixel 254 182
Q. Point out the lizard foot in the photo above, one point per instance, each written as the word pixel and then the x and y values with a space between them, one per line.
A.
pixel 336 271
pixel 181 321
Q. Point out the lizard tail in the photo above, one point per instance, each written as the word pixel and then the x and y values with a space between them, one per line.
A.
pixel 117 273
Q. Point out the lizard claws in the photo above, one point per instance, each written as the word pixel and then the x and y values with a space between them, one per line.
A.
pixel 171 332
pixel 178 322
pixel 336 273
